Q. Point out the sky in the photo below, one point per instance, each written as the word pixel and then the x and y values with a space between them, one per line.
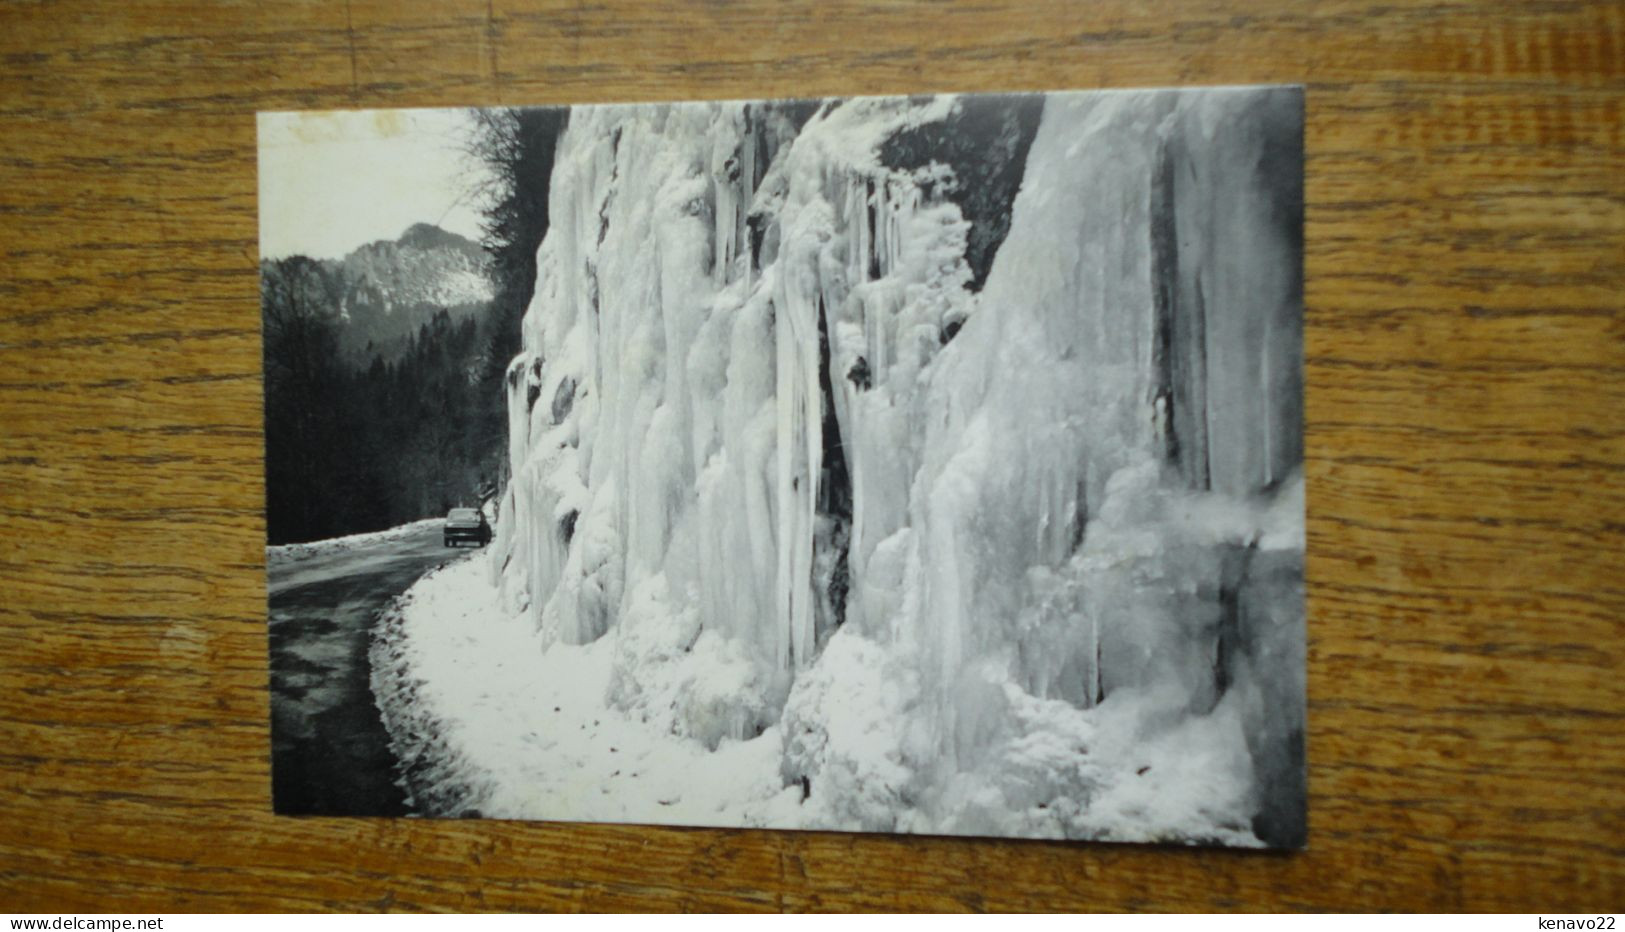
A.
pixel 333 180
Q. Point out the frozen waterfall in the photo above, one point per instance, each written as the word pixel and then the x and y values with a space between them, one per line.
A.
pixel 990 503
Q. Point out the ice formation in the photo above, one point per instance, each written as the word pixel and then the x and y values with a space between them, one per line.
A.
pixel 1004 547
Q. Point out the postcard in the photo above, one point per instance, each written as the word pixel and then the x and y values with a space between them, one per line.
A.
pixel 926 464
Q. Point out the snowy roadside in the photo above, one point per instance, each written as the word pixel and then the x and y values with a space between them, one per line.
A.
pixel 486 721
pixel 284 554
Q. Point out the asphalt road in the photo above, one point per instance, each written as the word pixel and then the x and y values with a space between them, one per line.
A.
pixel 329 750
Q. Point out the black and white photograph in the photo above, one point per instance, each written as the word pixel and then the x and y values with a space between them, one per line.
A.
pixel 926 465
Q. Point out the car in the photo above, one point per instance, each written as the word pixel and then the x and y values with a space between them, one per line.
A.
pixel 466 526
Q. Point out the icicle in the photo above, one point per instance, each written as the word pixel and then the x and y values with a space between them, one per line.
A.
pixel 1092 694
pixel 1266 403
pixel 788 486
pixel 800 452
pixel 862 196
pixel 884 228
pixel 724 223
pixel 746 190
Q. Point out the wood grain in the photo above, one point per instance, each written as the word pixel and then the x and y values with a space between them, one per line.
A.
pixel 1466 447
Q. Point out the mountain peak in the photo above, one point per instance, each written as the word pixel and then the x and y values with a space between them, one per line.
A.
pixel 393 286
pixel 429 236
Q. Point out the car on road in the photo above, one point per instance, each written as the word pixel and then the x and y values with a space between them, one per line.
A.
pixel 467 526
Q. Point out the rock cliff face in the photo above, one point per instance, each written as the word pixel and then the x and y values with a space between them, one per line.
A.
pixel 986 504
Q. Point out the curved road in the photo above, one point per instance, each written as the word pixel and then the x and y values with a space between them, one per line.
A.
pixel 329 751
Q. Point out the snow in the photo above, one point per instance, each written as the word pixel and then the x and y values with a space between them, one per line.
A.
pixel 283 554
pixel 803 554
pixel 487 718
pixel 490 720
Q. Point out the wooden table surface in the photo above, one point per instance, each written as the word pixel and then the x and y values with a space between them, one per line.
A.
pixel 1466 446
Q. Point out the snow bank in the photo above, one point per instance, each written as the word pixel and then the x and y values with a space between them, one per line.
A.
pixel 283 554
pixel 486 719
pixel 1018 560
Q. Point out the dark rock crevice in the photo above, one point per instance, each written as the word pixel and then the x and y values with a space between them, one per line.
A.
pixel 834 505
pixel 984 142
